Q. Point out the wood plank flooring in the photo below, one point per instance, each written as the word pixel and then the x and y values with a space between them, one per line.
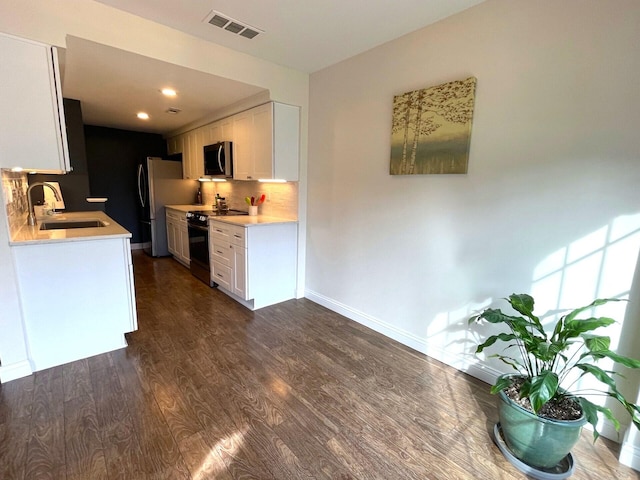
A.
pixel 207 389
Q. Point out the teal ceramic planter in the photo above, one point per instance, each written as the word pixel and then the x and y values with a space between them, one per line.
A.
pixel 536 441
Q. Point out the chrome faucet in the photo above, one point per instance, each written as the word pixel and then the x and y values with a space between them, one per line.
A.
pixel 31 219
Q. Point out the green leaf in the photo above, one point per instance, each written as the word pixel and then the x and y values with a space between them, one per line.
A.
pixel 546 351
pixel 591 414
pixel 505 337
pixel 597 372
pixel 522 303
pixel 574 328
pixel 543 389
pixel 596 303
pixel 622 360
pixel 595 343
pixel 493 315
pixel 512 362
pixel 502 383
pixel 558 328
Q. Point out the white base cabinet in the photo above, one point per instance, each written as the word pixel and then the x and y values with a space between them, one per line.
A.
pixel 31 98
pixel 77 297
pixel 254 264
pixel 178 235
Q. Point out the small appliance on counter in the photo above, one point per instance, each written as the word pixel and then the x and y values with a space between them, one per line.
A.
pixel 221 204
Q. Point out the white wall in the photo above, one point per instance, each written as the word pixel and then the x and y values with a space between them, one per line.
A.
pixel 550 204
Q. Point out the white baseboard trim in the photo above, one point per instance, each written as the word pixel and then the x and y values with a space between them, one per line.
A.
pixel 630 453
pixel 15 371
pixel 470 365
pixel 139 246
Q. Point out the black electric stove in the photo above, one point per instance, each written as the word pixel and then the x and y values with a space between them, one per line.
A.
pixel 201 217
pixel 198 226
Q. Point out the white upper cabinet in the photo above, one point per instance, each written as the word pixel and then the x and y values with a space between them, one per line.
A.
pixel 175 144
pixel 32 127
pixel 242 151
pixel 266 142
pixel 220 131
pixel 192 153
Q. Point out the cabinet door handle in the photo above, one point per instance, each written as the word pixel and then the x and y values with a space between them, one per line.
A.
pixel 219 251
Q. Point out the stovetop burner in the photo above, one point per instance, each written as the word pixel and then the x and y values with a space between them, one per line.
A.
pixel 200 217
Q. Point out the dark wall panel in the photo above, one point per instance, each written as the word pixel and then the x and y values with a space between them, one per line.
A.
pixel 112 158
pixel 75 184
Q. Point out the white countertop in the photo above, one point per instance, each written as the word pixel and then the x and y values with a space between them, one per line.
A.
pixel 248 220
pixel 27 235
pixel 244 220
pixel 189 208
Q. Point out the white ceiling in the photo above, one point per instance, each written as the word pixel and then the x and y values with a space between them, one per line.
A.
pixel 307 36
pixel 113 85
pixel 301 34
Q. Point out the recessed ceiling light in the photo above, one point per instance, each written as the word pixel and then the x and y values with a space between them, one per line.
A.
pixel 169 92
pixel 143 116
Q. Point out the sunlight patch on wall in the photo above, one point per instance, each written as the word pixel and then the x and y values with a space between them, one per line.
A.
pixel 601 264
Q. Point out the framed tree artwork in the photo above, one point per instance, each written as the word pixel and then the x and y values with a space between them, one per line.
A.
pixel 431 129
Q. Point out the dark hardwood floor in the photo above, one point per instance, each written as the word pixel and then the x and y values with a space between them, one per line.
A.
pixel 209 390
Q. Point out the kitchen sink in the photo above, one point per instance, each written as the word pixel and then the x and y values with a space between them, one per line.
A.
pixel 71 224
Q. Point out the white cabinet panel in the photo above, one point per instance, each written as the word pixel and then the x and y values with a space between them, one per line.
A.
pixel 32 127
pixel 178 235
pixel 183 231
pixel 81 304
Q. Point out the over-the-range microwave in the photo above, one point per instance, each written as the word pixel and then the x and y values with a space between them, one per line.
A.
pixel 218 160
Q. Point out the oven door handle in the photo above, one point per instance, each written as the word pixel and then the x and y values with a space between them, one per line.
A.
pixel 198 227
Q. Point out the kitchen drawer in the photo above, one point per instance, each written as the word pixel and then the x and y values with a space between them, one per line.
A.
pixel 221 274
pixel 220 251
pixel 175 215
pixel 219 230
pixel 238 236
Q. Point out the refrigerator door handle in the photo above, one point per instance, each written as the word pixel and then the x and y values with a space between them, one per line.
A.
pixel 142 190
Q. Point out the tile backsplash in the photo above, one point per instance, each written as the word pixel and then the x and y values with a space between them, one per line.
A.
pixel 14 189
pixel 281 201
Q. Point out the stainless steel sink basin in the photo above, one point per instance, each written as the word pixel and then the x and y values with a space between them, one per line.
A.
pixel 71 224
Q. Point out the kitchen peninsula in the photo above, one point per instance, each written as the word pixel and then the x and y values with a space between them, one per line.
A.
pixel 76 286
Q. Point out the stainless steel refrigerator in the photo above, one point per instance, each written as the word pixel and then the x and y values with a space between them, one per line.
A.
pixel 160 183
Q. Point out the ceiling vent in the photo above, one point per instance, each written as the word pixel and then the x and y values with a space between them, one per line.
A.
pixel 173 111
pixel 232 25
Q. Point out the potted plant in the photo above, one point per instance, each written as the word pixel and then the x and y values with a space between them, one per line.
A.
pixel 541 415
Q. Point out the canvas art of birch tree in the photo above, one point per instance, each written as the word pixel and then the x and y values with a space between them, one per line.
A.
pixel 431 129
